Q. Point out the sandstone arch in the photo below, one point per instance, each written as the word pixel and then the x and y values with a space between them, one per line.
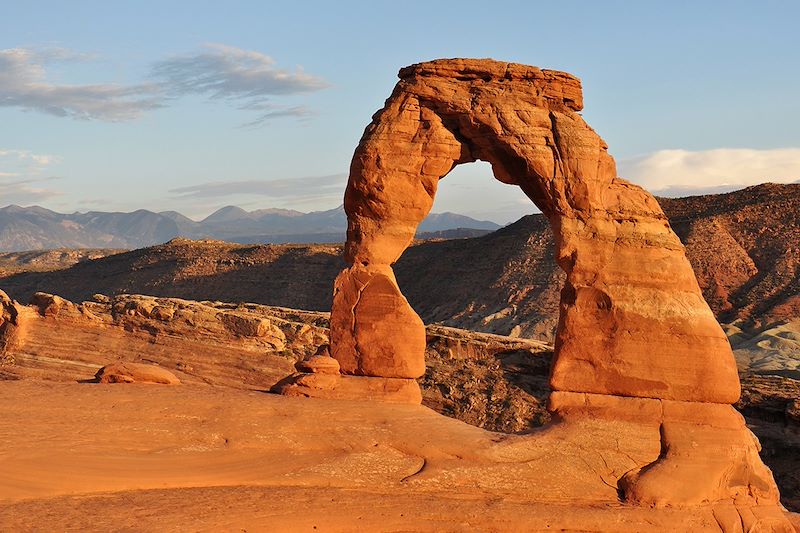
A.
pixel 643 375
pixel 632 322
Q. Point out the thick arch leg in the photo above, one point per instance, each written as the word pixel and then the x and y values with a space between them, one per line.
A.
pixel 374 331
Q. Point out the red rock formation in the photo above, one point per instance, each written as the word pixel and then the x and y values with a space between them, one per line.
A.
pixel 629 285
pixel 635 337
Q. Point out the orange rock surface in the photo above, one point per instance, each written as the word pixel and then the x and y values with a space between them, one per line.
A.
pixel 135 373
pixel 629 286
pixel 644 435
pixel 202 458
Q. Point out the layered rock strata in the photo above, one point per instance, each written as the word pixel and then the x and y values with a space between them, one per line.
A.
pixel 120 339
pixel 635 335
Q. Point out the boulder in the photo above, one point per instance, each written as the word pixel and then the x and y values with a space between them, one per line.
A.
pixel 135 373
pixel 318 364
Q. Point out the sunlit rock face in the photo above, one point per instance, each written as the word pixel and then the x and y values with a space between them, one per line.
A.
pixel 633 321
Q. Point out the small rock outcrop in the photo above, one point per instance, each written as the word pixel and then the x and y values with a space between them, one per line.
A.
pixel 238 345
pixel 135 373
pixel 9 328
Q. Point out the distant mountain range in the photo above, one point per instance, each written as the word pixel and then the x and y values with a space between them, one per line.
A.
pixel 37 228
pixel 744 247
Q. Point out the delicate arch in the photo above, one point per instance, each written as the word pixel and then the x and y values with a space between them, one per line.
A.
pixel 632 321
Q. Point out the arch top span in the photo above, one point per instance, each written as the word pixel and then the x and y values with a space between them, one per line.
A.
pixel 632 320
pixel 555 86
pixel 522 120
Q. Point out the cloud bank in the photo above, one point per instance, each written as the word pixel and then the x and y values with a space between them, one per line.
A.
pixel 684 172
pixel 221 71
pixel 288 191
pixel 247 79
pixel 24 84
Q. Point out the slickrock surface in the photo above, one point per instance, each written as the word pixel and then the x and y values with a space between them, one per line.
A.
pixel 202 458
pixel 241 346
pixel 135 373
pixel 253 346
pixel 494 382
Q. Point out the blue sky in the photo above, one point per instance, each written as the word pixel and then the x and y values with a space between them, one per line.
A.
pixel 195 105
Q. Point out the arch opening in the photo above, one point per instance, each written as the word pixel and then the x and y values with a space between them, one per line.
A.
pixel 471 189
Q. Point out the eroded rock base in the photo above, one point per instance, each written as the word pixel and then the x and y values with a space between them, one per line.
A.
pixel 122 372
pixel 705 451
pixel 320 377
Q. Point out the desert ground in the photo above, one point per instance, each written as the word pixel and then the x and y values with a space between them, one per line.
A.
pixel 139 457
pixel 219 452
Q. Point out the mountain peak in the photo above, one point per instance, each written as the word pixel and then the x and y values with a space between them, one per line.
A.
pixel 226 214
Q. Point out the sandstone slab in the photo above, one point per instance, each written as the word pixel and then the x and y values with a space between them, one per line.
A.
pixel 344 387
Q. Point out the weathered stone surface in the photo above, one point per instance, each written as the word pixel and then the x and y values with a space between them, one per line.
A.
pixel 584 456
pixel 318 365
pixel 135 373
pixel 708 454
pixel 49 304
pixel 215 459
pixel 374 331
pixel 636 342
pixel 254 349
pixel 633 320
pixel 9 328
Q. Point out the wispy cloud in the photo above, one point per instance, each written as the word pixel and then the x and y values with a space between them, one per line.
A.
pixel 21 175
pixel 25 191
pixel 684 172
pixel 24 84
pixel 297 189
pixel 222 71
pixel 30 161
pixel 299 112
pixel 248 79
